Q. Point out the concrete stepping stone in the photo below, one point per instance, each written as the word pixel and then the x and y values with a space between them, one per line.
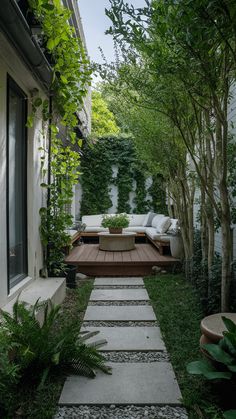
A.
pixel 128 338
pixel 119 295
pixel 119 313
pixel 130 383
pixel 129 280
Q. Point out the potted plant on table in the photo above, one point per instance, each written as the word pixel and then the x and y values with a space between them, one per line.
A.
pixel 115 223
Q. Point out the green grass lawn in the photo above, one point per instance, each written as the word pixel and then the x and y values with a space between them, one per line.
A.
pixel 33 404
pixel 179 313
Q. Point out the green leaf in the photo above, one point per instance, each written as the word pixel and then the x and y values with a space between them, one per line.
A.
pixel 232 368
pixel 207 370
pixel 63 79
pixel 43 185
pixel 231 326
pixel 47 6
pixel 230 414
pixel 30 121
pixel 37 102
pixel 218 353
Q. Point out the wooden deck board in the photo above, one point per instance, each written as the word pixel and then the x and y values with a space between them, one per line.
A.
pixel 92 261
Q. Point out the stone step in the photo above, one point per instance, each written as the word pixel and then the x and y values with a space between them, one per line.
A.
pixel 119 313
pixel 129 280
pixel 128 338
pixel 119 295
pixel 130 383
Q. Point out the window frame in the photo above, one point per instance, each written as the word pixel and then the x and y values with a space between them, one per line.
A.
pixel 12 85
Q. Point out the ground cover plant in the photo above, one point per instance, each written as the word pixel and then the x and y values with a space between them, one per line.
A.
pixel 25 398
pixel 179 312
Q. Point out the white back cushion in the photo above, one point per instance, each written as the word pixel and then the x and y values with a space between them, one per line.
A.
pixel 92 220
pixel 136 219
pixel 163 224
pixel 156 219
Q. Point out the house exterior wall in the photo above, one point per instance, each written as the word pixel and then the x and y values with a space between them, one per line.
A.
pixel 12 65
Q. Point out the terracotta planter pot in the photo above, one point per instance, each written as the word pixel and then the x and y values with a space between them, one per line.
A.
pixel 115 230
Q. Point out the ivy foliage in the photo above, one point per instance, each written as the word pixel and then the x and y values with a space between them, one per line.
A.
pixel 97 176
pixel 158 193
pixel 103 120
pixel 69 85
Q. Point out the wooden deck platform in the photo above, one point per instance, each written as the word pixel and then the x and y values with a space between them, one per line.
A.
pixel 138 262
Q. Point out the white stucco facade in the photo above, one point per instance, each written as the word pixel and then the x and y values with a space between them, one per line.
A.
pixel 12 65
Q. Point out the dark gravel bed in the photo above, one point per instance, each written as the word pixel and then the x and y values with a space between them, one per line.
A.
pixel 140 356
pixel 121 412
pixel 118 287
pixel 119 303
pixel 119 324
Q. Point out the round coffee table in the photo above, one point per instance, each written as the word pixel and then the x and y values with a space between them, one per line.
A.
pixel 116 242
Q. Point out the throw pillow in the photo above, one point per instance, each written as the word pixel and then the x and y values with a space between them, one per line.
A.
pixel 148 219
pixel 174 225
pixel 156 219
pixel 163 224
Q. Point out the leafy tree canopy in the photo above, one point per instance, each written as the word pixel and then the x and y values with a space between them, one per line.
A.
pixel 103 120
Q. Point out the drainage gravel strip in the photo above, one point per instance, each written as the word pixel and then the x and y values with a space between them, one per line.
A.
pixel 119 303
pixel 118 287
pixel 140 356
pixel 97 323
pixel 121 412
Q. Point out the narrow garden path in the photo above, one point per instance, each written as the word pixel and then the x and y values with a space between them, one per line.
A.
pixel 143 382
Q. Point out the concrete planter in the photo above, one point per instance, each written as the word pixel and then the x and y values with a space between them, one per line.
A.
pixel 176 247
pixel 115 230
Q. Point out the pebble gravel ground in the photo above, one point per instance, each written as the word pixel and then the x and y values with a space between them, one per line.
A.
pixel 151 356
pixel 119 303
pixel 118 287
pixel 119 324
pixel 121 412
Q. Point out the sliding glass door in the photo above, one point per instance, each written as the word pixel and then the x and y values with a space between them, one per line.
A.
pixel 16 184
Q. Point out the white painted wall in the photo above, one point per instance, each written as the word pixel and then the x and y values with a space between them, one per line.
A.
pixel 11 64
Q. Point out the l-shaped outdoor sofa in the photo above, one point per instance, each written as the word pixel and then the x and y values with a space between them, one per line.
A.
pixel 162 231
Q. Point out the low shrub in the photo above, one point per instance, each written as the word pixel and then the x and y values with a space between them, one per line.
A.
pixel 115 221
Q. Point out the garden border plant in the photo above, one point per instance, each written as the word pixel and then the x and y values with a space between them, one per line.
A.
pixel 71 77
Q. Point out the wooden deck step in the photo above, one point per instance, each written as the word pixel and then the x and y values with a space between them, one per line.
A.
pixel 137 262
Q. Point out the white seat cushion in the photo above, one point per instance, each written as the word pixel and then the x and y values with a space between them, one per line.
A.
pixel 164 238
pixel 95 229
pixel 152 233
pixel 136 229
pixel 71 233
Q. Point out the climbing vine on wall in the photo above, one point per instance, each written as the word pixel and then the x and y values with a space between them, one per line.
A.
pixel 71 77
pixel 97 176
pixel 142 204
pixel 158 193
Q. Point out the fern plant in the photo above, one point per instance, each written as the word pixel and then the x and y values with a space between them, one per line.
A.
pixel 41 348
pixel 9 376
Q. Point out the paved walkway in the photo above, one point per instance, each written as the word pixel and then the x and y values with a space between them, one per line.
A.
pixel 143 382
